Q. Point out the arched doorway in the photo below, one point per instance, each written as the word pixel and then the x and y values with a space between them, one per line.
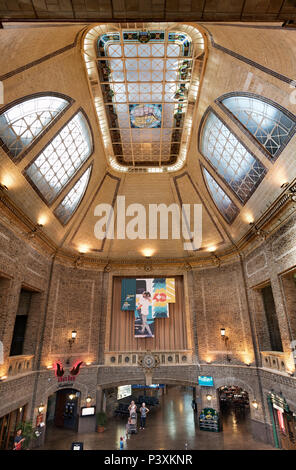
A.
pixel 234 407
pixel 62 409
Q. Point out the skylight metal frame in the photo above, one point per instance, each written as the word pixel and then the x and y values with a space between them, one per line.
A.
pixel 91 59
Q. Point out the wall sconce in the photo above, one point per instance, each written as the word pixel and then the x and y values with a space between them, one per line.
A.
pixel 209 397
pixel 88 400
pixel 255 404
pixel 223 335
pixel 71 396
pixel 73 338
pixel 41 408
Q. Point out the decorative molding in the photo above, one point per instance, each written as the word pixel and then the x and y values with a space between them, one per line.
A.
pixel 250 62
pixel 185 173
pixel 23 68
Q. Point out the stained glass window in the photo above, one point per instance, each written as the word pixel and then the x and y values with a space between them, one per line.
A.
pixel 69 204
pixel 61 158
pixel 225 205
pixel 230 158
pixel 145 79
pixel 271 126
pixel 21 124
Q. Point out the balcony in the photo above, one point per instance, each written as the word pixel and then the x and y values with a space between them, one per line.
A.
pixel 16 365
pixel 166 358
pixel 275 360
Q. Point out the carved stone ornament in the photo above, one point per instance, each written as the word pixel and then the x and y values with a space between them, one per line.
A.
pixel 148 361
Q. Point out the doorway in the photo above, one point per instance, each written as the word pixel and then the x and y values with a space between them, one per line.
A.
pixel 62 409
pixel 8 426
pixel 234 409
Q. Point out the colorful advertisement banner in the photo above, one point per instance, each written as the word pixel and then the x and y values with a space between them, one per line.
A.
pixel 149 298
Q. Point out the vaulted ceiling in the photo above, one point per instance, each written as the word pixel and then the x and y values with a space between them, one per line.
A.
pixel 138 10
pixel 58 156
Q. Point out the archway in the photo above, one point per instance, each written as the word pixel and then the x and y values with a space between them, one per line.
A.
pixel 234 404
pixel 63 409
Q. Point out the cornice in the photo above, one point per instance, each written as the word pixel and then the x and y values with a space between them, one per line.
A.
pixel 23 227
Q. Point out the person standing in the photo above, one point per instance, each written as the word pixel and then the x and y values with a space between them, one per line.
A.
pixel 143 414
pixel 132 408
pixel 18 440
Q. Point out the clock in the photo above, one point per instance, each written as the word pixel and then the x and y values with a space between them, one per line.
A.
pixel 149 361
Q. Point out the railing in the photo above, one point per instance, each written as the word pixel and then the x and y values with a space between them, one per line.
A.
pixel 132 358
pixel 19 365
pixel 274 360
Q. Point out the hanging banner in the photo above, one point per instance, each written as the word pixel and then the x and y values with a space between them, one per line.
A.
pixel 128 294
pixel 149 298
pixel 170 290
pixel 160 304
pixel 144 322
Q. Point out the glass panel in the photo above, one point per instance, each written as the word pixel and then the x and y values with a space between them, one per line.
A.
pixel 69 204
pixel 59 160
pixel 22 123
pixel 268 124
pixel 227 208
pixel 147 80
pixel 232 161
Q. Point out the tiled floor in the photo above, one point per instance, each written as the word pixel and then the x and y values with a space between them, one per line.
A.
pixel 169 427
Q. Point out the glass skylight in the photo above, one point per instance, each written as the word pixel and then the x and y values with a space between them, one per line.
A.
pixel 269 125
pixel 144 79
pixel 69 204
pixel 224 204
pixel 231 160
pixel 22 123
pixel 61 158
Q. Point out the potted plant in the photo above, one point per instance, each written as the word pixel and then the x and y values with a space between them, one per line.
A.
pixel 101 421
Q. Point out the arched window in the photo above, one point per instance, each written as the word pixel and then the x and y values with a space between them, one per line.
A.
pixel 71 201
pixel 224 204
pixel 59 161
pixel 270 124
pixel 23 123
pixel 241 170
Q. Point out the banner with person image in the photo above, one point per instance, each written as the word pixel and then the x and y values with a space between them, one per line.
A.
pixel 150 299
pixel 144 321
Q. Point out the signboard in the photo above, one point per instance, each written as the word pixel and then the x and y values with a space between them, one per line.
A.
pixel 88 411
pixel 148 386
pixel 124 391
pixel 77 446
pixel 205 381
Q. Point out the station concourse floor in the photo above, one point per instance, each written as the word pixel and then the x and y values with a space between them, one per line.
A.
pixel 170 425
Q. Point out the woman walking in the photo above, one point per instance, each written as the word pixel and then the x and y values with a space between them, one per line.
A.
pixel 143 414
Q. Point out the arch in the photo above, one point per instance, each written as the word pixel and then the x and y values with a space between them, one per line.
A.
pixel 222 201
pixel 231 160
pixel 269 125
pixel 73 198
pixel 26 120
pixel 56 165
pixel 231 380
